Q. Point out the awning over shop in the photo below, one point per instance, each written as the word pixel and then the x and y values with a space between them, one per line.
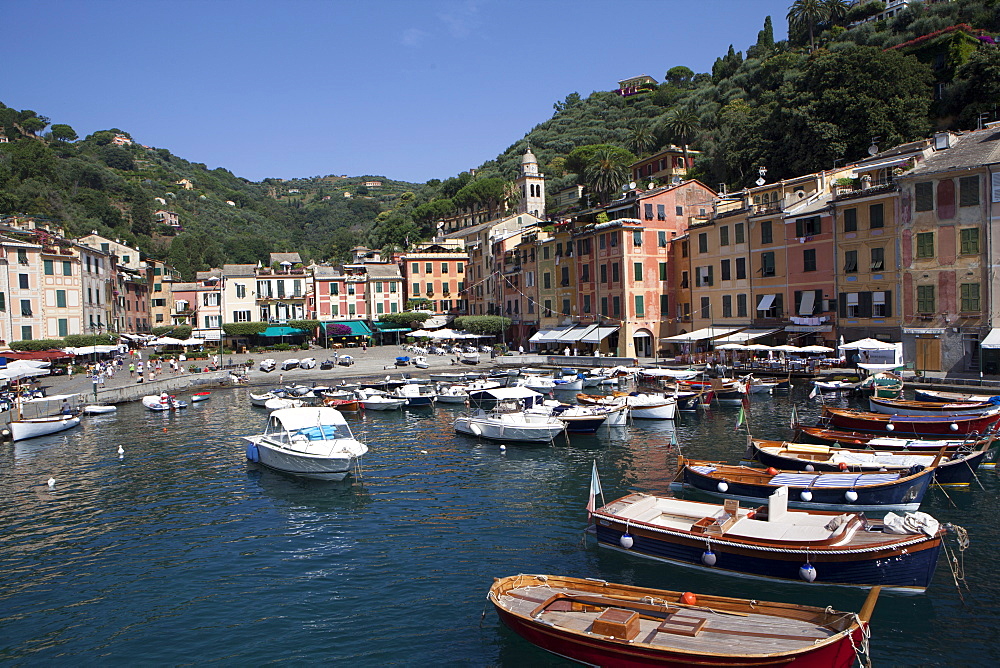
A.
pixel 358 327
pixel 992 340
pixel 700 334
pixel 575 334
pixel 552 335
pixel 389 327
pixel 598 334
pixel 861 169
pixel 743 336
pixel 640 335
pixel 282 331
pixel 765 303
pixel 539 335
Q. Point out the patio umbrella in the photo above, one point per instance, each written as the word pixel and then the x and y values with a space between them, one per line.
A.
pixel 816 349
pixel 788 349
pixel 730 346
pixel 193 342
pixel 167 341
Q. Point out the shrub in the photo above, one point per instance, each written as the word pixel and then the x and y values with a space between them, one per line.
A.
pixel 38 344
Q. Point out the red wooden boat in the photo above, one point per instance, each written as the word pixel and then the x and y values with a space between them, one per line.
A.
pixel 605 624
pixel 347 405
pixel 923 426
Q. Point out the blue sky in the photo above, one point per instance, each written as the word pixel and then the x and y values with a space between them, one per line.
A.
pixel 408 89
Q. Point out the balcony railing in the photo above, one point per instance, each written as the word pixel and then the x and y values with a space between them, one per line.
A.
pixel 841 193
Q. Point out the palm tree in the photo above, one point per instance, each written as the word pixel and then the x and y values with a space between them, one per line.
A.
pixel 835 10
pixel 681 123
pixel 640 138
pixel 606 171
pixel 809 13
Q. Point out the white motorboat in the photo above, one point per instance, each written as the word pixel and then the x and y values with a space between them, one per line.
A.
pixel 641 406
pixel 261 399
pixel 42 426
pixel 201 396
pixel 278 403
pixel 546 384
pixel 468 357
pixel 99 409
pixel 312 442
pixel 459 393
pixel 162 402
pixel 509 422
pixel 379 401
pixel 833 386
pixel 416 395
pixel 338 394
pixel 420 362
pixel 448 377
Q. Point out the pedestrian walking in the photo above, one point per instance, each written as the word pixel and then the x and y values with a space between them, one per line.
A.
pixel 131 369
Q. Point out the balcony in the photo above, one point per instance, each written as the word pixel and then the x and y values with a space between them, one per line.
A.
pixel 769 209
pixel 843 193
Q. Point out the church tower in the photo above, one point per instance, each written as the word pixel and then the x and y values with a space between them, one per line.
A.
pixel 532 186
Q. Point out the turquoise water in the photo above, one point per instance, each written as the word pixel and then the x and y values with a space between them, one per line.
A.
pixel 181 552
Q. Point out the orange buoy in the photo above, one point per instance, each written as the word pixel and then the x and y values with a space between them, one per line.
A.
pixel 688 598
pixel 772 471
pixel 164 430
pixel 843 466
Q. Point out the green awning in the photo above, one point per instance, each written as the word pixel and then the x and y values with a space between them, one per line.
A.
pixel 358 327
pixel 390 327
pixel 283 331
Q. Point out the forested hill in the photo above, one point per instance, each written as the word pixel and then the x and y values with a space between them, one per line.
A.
pixel 795 106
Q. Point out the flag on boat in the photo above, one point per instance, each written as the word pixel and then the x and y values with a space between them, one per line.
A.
pixel 794 420
pixel 741 418
pixel 595 489
pixel 812 393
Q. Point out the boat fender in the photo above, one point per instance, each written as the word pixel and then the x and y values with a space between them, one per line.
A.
pixel 723 486
pixel 772 471
pixel 915 469
pixel 851 496
pixel 807 572
pixel 953 426
pixel 476 429
pixel 708 558
pixel 626 541
pixel 806 495
pixel 890 427
pixel 687 598
pixel 810 468
pixel 842 466
pixel 252 454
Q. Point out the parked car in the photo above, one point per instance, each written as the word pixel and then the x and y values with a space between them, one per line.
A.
pixel 267 365
pixel 308 363
pixel 290 363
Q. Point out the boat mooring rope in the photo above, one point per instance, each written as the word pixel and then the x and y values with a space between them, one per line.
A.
pixel 862 651
pixel 956 565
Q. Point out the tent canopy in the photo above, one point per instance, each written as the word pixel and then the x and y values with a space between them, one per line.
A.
pixel 700 334
pixel 867 344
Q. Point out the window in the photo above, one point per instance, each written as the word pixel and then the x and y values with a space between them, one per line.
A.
pixel 724 235
pixel 636 238
pixel 49 271
pixel 393 307
pixel 850 220
pixel 67 268
pixel 704 275
pixel 664 303
pixel 968 191
pixel 565 307
pixel 703 242
pixel 615 272
pixel 584 273
pixel 725 270
pixel 925 244
pixel 26 308
pixel 923 196
pixel 60 299
pixel 661 213
pixel 925 299
pixel 637 271
pixel 461 267
pixel 157 287
pixel 738 233
pixel 392 286
pixel 586 303
pixel 684 248
pixel 430 289
pixel 351 309
pixel 706 308
pixel 444 267
pixel 241 316
pixel 876 216
pixel 613 239
pixel 853 310
pixel 264 289
pixel 679 210
pixel 416 288
pixel 741 306
pixel 22 256
pixel 878 259
pixel 661 239
pixel 880 304
pixel 241 291
pixel 559 250
pixel 647 210
pixel 22 281
pixel 741 268
pixel 565 277
pixel 808 227
pixel 548 308
pixel 969 241
pixel 26 332
pixel 379 308
pixel 663 270
pixel 809 259
pixel 765 232
pixel 604 305
pixel 684 279
pixel 727 306
pixel 415 268
pixel 604 273
pixel 616 306
pixel 428 267
pixel 547 280
pixel 212 298
pixel 335 289
pixel 850 261
pixel 970 297
pixel 767 264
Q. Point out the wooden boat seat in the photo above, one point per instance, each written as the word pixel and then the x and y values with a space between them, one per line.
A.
pixel 801 528
pixel 683 625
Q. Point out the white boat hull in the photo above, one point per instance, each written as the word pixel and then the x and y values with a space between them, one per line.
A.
pixel 306 466
pixel 30 428
pixel 260 399
pixel 646 409
pixel 377 404
pixel 525 432
pixel 277 404
pixel 99 409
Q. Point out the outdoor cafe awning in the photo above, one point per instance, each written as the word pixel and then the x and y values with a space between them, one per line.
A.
pixel 700 334
pixel 389 327
pixel 992 340
pixel 598 334
pixel 280 331
pixel 574 334
pixel 358 327
pixel 552 335
pixel 744 336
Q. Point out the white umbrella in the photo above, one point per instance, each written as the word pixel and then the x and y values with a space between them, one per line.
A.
pixel 868 344
pixel 193 342
pixel 420 333
pixel 757 346
pixel 817 349
pixel 788 349
pixel 442 334
pixel 730 346
pixel 167 341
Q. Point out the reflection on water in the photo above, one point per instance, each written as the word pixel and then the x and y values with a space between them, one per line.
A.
pixel 181 548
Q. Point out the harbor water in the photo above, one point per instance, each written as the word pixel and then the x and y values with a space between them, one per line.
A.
pixel 179 551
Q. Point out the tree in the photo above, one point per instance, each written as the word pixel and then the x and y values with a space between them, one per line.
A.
pixel 836 10
pixel 640 138
pixel 483 324
pixel 304 325
pixel 807 13
pixel 117 158
pixel 607 170
pixel 404 319
pixel 242 328
pixel 63 132
pixel 679 75
pixel 680 123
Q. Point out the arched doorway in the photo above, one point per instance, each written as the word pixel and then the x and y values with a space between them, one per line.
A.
pixel 642 339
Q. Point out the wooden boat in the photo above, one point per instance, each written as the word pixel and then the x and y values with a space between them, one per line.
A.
pixel 955 469
pixel 816 547
pixel 907 407
pixel 882 385
pixel 642 406
pixel 923 426
pixel 863 439
pixel 843 490
pixel 308 442
pixel 600 623
pixel 201 396
pixel 942 396
pixel 347 405
pixel 41 426
pixel 834 386
pixel 261 399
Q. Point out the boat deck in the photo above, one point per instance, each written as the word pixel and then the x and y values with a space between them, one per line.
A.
pixel 675 626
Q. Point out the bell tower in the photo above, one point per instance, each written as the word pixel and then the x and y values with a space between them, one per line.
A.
pixel 532 186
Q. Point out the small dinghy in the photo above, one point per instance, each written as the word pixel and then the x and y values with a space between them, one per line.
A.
pixel 201 396
pixel 99 409
pixel 276 403
pixel 162 402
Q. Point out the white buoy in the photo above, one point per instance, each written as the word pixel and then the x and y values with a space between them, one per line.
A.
pixel 890 426
pixel 626 541
pixel 953 426
pixel 806 495
pixel 423 452
pixel 503 448
pixel 708 558
pixel 52 482
pixel 810 468
pixel 807 572
pixel 121 452
pixel 851 496
pixel 723 486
